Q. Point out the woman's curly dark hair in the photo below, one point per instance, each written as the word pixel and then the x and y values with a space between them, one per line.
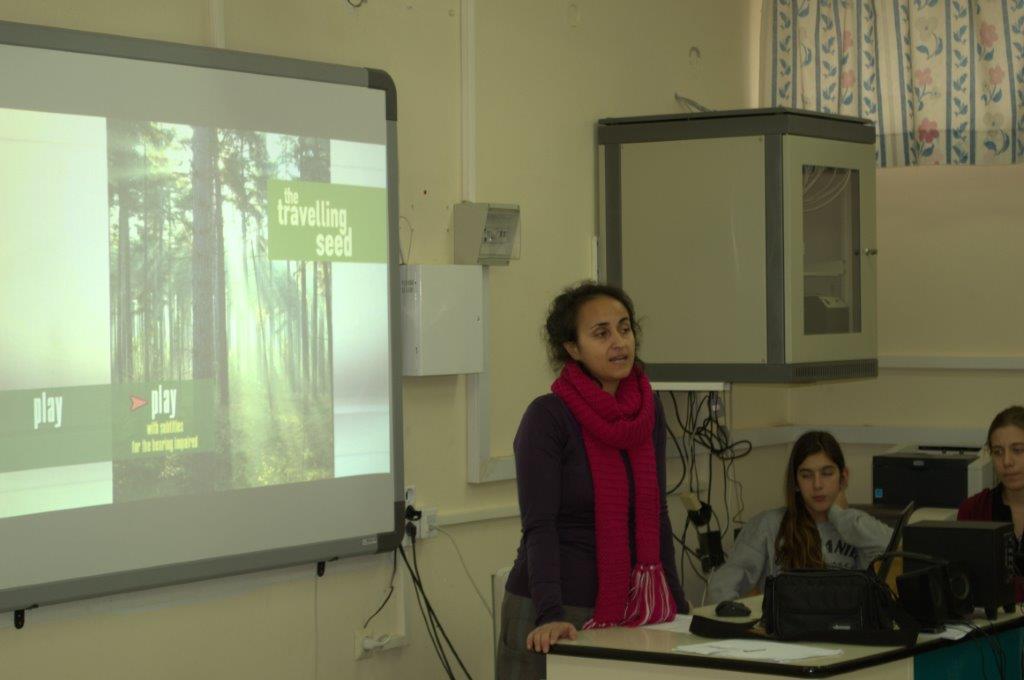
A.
pixel 560 326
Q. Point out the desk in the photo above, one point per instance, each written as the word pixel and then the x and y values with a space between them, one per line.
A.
pixel 640 653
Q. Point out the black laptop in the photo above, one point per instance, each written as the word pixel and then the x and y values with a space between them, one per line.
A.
pixel 894 542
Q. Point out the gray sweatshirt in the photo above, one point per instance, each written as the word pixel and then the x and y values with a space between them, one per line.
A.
pixel 850 539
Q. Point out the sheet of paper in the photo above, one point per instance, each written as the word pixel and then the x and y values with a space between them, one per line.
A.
pixel 757 650
pixel 954 631
pixel 680 625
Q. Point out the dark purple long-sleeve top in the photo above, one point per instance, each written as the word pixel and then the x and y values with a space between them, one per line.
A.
pixel 556 564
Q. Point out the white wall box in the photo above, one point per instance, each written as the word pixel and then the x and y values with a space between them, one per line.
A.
pixel 442 319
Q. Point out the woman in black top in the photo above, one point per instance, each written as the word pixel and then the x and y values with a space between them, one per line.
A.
pixel 554 584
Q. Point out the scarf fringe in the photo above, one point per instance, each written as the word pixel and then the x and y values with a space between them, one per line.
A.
pixel 591 624
pixel 649 600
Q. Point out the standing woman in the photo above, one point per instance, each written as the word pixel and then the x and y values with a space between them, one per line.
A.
pixel 1005 501
pixel 597 545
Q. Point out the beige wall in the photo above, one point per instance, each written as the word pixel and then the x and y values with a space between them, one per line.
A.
pixel 543 78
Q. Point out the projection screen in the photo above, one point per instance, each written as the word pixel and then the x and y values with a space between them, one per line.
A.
pixel 198 314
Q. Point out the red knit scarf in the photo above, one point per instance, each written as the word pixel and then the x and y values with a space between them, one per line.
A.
pixel 610 424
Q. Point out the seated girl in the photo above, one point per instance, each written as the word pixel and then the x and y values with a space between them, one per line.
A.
pixel 1005 501
pixel 815 530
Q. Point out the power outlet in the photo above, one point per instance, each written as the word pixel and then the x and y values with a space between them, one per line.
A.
pixel 360 652
pixel 367 642
pixel 426 526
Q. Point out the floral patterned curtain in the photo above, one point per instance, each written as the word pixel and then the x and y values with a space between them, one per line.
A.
pixel 943 80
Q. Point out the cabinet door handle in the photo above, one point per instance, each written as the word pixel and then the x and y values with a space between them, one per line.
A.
pixel 871 251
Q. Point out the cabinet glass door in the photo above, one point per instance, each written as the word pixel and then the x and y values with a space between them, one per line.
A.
pixel 831 247
pixel 829 235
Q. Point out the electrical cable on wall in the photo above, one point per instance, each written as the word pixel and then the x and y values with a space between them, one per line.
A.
pixel 480 596
pixel 698 512
pixel 432 631
pixel 391 588
pixel 689 554
pixel 704 425
pixel 683 458
pixel 435 630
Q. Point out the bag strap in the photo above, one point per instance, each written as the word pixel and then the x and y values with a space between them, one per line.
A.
pixel 920 557
pixel 724 630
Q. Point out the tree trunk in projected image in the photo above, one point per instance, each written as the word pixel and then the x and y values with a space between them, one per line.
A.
pixel 242 197
pixel 220 298
pixel 122 165
pixel 293 358
pixel 261 266
pixel 210 469
pixel 314 159
pixel 220 316
pixel 123 306
pixel 304 325
pixel 124 140
pixel 327 345
pixel 203 252
pixel 245 166
pixel 314 357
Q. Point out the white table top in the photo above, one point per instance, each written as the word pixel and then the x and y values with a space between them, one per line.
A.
pixel 649 645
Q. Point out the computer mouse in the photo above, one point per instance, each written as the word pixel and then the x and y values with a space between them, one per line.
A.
pixel 730 608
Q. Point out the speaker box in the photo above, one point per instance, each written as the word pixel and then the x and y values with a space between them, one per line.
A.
pixel 935 594
pixel 984 549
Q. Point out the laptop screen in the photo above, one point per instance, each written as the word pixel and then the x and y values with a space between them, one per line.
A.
pixel 894 541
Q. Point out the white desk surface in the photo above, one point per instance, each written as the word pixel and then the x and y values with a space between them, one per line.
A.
pixel 606 653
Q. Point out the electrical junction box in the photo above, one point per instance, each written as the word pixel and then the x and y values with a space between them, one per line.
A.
pixel 442 319
pixel 485 233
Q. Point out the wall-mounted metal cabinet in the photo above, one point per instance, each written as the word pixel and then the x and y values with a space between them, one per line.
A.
pixel 747 241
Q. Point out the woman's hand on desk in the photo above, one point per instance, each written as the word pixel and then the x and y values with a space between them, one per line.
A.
pixel 542 637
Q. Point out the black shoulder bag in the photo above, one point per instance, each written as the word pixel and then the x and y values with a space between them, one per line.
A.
pixel 844 606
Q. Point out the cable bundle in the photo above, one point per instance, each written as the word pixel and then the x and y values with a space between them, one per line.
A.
pixel 438 637
pixel 704 426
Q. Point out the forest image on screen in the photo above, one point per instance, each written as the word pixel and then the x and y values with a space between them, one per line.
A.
pixel 219 315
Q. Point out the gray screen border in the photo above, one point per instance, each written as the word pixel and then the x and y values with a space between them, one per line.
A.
pixel 18 599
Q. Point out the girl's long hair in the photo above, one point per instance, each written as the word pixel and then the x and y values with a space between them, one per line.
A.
pixel 798 543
